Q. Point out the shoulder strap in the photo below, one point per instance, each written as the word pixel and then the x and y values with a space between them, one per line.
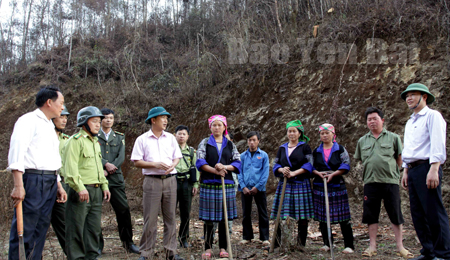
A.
pixel 191 154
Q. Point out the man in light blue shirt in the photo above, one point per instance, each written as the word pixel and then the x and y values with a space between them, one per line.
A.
pixel 423 155
pixel 252 184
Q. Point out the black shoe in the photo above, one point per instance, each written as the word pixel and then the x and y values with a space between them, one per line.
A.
pixel 184 244
pixel 175 257
pixel 131 248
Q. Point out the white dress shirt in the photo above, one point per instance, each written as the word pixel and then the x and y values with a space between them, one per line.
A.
pixel 106 134
pixel 425 137
pixel 34 144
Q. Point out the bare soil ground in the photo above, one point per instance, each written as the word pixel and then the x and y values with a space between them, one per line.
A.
pixel 114 250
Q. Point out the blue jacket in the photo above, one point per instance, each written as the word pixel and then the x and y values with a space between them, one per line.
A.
pixel 254 171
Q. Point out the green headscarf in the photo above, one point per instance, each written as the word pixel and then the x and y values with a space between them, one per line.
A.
pixel 298 124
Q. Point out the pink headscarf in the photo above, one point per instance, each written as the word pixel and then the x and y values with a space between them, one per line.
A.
pixel 218 118
pixel 330 128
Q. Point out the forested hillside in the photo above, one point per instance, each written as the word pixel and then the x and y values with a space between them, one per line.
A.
pixel 261 63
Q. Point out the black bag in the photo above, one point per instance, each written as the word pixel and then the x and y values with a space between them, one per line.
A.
pixel 192 170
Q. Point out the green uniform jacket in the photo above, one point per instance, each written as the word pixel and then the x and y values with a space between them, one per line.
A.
pixel 63 138
pixel 83 162
pixel 113 151
pixel 183 167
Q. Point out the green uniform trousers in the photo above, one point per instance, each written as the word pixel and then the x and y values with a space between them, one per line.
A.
pixel 83 224
pixel 184 200
pixel 58 220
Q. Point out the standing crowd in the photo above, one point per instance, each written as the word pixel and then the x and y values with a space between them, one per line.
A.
pixel 63 180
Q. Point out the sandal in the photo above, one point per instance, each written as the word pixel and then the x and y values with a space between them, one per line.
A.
pixel 405 254
pixel 223 254
pixel 369 252
pixel 206 256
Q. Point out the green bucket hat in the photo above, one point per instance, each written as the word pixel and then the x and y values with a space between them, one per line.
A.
pixel 156 111
pixel 419 87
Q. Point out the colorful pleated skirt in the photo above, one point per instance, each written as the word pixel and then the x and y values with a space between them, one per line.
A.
pixel 338 201
pixel 297 203
pixel 211 202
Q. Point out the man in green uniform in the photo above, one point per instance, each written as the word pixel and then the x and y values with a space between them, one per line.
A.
pixel 59 209
pixel 187 182
pixel 112 144
pixel 88 186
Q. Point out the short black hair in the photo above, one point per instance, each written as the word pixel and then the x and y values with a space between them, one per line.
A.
pixel 253 133
pixel 181 127
pixel 231 136
pixel 371 110
pixel 106 111
pixel 46 93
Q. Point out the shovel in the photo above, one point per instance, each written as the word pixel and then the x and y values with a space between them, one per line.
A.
pixel 327 205
pixel 19 216
pixel 225 212
pixel 277 220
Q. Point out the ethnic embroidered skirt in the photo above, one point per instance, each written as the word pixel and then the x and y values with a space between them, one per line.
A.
pixel 297 203
pixel 211 202
pixel 338 201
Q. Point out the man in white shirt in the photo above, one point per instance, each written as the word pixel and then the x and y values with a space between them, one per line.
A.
pixel 423 155
pixel 34 160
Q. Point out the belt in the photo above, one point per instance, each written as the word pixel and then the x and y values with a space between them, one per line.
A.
pixel 161 176
pixel 417 163
pixel 92 185
pixel 42 172
pixel 183 175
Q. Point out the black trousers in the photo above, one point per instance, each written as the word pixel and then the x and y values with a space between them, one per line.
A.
pixel 209 238
pixel 347 232
pixel 428 213
pixel 302 233
pixel 261 204
pixel 37 209
pixel 184 200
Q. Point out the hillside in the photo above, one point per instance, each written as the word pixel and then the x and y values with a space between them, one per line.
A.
pixel 257 69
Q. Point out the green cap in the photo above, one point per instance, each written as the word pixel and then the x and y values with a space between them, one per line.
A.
pixel 156 111
pixel 419 87
pixel 87 112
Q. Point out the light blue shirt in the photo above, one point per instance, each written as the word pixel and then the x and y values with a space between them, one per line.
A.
pixel 254 171
pixel 425 137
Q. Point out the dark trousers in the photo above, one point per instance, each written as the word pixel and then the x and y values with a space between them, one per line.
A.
pixel 119 203
pixel 37 209
pixel 302 233
pixel 428 213
pixel 209 235
pixel 83 224
pixel 59 220
pixel 347 232
pixel 261 204
pixel 184 200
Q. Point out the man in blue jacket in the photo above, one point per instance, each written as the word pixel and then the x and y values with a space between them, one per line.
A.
pixel 252 184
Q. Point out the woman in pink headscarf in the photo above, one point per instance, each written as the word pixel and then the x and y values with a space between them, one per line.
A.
pixel 217 157
pixel 331 161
